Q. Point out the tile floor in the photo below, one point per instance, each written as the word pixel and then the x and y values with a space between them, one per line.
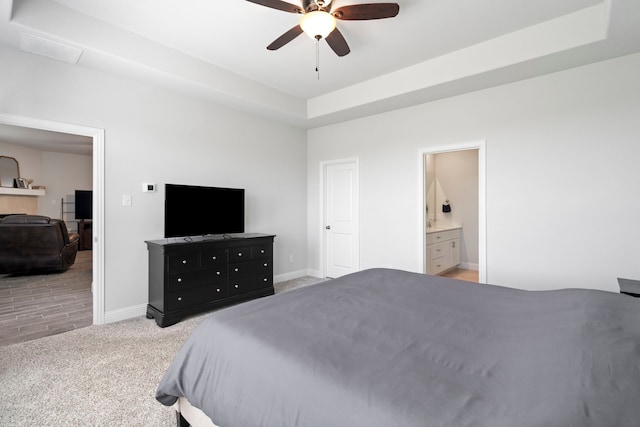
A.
pixel 35 306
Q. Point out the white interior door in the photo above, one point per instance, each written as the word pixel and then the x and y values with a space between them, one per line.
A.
pixel 341 219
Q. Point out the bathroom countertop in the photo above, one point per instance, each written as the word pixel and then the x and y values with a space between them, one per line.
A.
pixel 444 227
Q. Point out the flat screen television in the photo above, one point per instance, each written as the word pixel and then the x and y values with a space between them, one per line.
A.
pixel 191 210
pixel 84 204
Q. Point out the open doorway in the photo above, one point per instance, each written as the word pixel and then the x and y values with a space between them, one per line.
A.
pixel 452 219
pixel 97 138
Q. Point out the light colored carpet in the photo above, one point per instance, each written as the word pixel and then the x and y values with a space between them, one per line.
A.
pixel 95 376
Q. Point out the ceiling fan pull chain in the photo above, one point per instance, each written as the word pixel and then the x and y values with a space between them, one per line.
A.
pixel 318 57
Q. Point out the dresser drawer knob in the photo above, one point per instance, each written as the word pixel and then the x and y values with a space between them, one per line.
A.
pixel 218 273
pixel 236 286
pixel 184 261
pixel 179 279
pixel 261 251
pixel 266 264
pixel 214 257
pixel 265 280
pixel 218 290
pixel 179 298
pixel 235 269
pixel 239 253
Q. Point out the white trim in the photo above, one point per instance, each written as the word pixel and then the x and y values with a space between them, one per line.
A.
pixel 98 196
pixel 481 146
pixel 321 243
pixel 125 313
pixel 290 276
pixel 469 266
pixel 314 273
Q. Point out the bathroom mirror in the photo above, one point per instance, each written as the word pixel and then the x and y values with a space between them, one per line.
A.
pixel 430 188
pixel 9 170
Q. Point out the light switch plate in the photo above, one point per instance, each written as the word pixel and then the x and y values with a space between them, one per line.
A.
pixel 126 200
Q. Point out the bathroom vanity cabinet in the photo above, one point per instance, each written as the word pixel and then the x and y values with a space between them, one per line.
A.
pixel 443 250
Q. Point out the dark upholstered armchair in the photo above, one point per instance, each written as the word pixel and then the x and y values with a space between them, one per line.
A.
pixel 34 243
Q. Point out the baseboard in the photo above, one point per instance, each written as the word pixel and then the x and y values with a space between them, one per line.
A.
pixel 291 275
pixel 469 266
pixel 125 313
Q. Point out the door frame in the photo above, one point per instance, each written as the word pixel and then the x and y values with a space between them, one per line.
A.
pixel 322 195
pixel 482 202
pixel 98 196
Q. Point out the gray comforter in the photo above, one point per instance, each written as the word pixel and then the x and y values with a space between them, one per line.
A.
pixel 391 348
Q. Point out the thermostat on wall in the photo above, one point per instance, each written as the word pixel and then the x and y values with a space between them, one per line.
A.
pixel 148 188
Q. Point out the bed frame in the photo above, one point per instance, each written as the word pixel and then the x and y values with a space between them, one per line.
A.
pixel 188 415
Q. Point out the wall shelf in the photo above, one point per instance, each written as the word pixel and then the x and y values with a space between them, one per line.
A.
pixel 21 191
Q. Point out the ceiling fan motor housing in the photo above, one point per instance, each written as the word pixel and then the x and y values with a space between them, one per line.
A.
pixel 313 5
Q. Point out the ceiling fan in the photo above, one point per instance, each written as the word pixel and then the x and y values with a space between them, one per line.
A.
pixel 319 22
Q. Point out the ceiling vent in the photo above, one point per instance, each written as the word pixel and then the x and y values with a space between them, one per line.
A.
pixel 50 49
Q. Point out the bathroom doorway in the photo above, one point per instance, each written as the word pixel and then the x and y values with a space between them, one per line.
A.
pixel 453 200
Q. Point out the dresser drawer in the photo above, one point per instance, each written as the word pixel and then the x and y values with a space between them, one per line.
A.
pixel 247 284
pixel 183 262
pixel 239 254
pixel 262 251
pixel 213 258
pixel 186 279
pixel 241 269
pixel 265 280
pixel 263 266
pixel 179 300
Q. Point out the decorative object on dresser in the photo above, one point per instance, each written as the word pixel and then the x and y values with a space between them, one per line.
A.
pixel 189 275
pixel 30 243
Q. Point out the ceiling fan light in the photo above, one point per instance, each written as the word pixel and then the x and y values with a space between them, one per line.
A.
pixel 318 24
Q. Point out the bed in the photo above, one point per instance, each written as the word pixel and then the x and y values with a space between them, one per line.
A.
pixel 385 347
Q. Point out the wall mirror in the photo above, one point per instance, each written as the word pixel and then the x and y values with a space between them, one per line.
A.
pixel 9 170
pixel 430 188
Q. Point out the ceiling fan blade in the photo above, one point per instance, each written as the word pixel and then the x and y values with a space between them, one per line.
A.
pixel 361 12
pixel 337 42
pixel 285 38
pixel 278 4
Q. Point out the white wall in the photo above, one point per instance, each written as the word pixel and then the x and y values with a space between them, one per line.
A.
pixel 62 175
pixel 155 135
pixel 563 180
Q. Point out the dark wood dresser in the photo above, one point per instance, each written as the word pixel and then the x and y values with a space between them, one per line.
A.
pixel 192 275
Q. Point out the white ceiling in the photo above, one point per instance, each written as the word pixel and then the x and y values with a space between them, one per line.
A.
pixel 432 49
pixel 38 139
